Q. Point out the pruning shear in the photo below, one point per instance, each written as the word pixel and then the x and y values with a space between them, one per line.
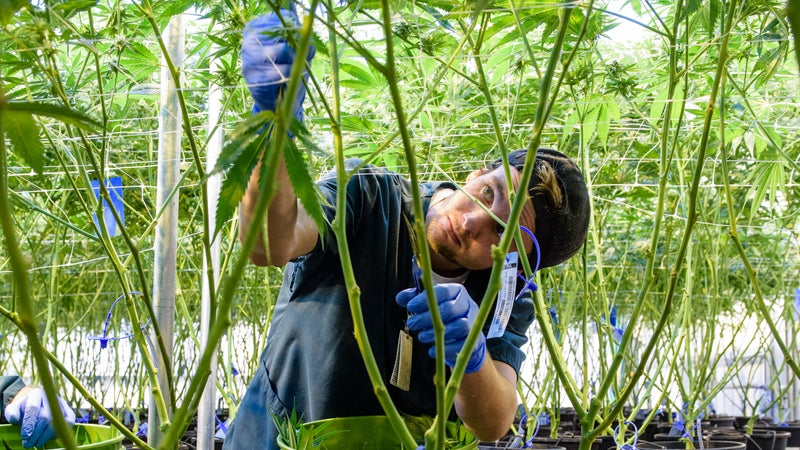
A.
pixel 401 373
pixel 416 272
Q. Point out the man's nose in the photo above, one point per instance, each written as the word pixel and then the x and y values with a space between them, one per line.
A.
pixel 475 222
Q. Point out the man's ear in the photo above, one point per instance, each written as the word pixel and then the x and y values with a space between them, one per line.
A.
pixel 476 173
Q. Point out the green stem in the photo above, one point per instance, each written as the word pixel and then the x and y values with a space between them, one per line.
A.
pixel 540 117
pixel 99 408
pixel 761 305
pixel 760 124
pixel 435 437
pixel 25 305
pixel 692 204
pixel 266 193
pixel 174 71
pixel 590 430
pixel 105 239
pixel 524 38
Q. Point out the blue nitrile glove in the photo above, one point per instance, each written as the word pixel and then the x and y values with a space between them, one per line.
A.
pixel 30 410
pixel 267 61
pixel 458 313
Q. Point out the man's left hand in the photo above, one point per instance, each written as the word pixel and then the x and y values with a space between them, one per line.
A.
pixel 267 59
pixel 30 410
pixel 458 312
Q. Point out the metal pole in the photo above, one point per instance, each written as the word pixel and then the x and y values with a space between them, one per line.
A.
pixel 206 410
pixel 166 240
pixel 790 336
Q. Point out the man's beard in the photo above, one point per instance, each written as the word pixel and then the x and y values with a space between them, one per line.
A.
pixel 445 252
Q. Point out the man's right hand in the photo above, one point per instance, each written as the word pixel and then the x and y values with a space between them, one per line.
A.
pixel 30 410
pixel 458 313
pixel 267 61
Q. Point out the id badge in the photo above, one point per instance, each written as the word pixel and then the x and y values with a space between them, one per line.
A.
pixel 505 298
pixel 401 374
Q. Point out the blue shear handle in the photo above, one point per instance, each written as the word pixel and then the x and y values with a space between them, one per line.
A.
pixel 416 271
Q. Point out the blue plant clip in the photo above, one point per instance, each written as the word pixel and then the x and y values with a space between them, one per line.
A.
pixel 114 187
pixel 529 442
pixel 543 419
pixel 221 425
pixel 529 284
pixel 616 331
pixel 797 304
pixel 519 437
pixel 105 338
pixel 626 446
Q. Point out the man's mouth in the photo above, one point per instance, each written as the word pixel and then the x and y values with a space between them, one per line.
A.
pixel 451 232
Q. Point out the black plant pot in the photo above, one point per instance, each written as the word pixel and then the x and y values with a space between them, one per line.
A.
pixel 505 443
pixel 762 439
pixel 646 445
pixel 717 445
pixel 742 421
pixel 661 428
pixel 569 441
pixel 663 437
pixel 647 433
pixel 793 428
pixel 730 435
pixel 725 422
pixel 568 420
pixel 605 442
pixel 644 434
pixel 546 430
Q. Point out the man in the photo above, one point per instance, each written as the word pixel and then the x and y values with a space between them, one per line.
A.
pixel 27 406
pixel 311 364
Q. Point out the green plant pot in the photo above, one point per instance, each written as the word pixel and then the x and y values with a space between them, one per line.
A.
pixel 87 436
pixel 376 433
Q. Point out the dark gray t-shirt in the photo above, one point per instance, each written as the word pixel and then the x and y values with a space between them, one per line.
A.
pixel 10 385
pixel 312 364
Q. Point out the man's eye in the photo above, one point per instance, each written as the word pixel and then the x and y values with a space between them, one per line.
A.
pixel 488 195
pixel 500 228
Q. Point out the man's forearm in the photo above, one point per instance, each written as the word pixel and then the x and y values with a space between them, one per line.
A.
pixel 281 216
pixel 487 400
pixel 290 232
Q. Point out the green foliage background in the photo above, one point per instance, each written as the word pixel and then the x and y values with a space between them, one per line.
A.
pixel 101 60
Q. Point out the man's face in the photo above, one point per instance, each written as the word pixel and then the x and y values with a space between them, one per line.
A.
pixel 461 233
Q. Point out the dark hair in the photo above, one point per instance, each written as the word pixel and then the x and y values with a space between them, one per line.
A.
pixel 560 201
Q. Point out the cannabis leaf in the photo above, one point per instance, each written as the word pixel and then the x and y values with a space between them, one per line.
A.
pixel 237 160
pixel 23 132
pixel 793 14
pixel 305 188
pixel 22 129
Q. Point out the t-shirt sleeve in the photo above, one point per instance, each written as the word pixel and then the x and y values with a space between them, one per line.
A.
pixel 508 347
pixel 10 385
pixel 366 189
